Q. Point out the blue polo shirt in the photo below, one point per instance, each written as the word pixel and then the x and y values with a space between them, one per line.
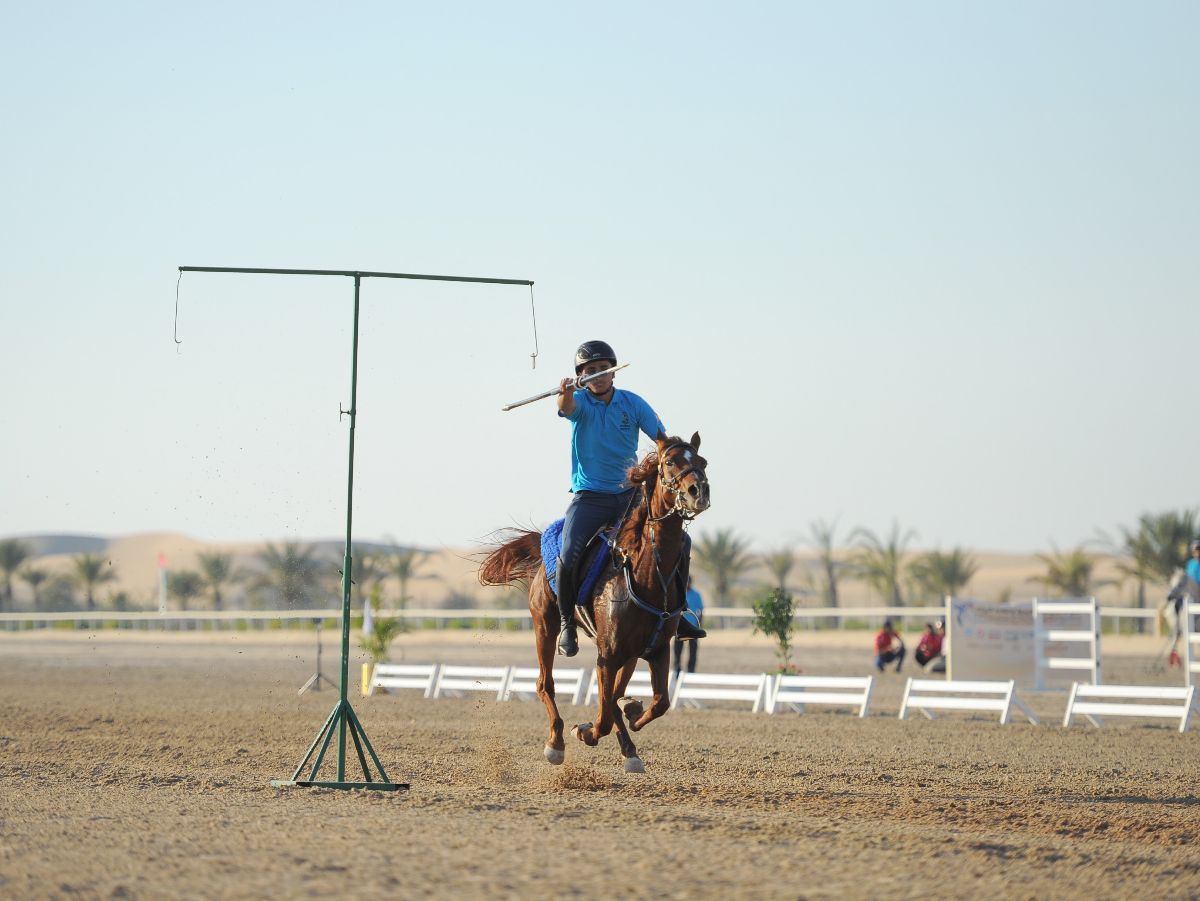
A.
pixel 1193 570
pixel 604 439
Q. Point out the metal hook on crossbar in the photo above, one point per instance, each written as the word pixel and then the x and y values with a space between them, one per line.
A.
pixel 533 312
pixel 177 281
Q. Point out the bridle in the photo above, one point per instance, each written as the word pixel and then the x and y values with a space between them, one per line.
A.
pixel 674 484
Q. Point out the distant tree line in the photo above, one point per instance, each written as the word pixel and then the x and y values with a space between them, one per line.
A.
pixel 293 575
pixel 1145 554
pixel 285 576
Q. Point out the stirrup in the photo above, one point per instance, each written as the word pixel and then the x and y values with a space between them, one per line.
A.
pixel 687 631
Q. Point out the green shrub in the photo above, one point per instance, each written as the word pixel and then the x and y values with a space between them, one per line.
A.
pixel 773 615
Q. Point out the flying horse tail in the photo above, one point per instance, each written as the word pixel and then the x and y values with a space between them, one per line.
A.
pixel 516 560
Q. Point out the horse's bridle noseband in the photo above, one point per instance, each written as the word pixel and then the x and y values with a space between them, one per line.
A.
pixel 674 484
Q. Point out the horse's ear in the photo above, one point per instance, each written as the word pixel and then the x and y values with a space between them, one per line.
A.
pixel 695 442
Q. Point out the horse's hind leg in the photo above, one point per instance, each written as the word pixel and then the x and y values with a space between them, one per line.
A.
pixel 546 634
pixel 660 682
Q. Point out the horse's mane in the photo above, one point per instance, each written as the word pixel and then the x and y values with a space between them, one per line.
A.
pixel 644 472
pixel 647 471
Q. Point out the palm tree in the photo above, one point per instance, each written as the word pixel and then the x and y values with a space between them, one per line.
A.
pixel 724 557
pixel 366 571
pixel 34 577
pixel 780 564
pixel 186 585
pixel 940 573
pixel 1156 548
pixel 91 570
pixel 12 554
pixel 404 563
pixel 290 573
pixel 216 573
pixel 822 538
pixel 1069 572
pixel 880 563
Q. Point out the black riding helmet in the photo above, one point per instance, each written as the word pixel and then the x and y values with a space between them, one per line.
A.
pixel 590 351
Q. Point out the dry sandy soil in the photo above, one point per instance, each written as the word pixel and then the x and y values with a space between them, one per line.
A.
pixel 138 766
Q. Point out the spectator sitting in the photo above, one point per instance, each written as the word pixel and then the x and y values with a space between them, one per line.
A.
pixel 929 648
pixel 888 647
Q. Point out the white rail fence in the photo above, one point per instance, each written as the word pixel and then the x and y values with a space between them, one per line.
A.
pixel 1095 701
pixel 927 695
pixel 693 688
pixel 404 675
pixel 455 680
pixel 796 692
pixel 569 684
pixel 192 620
pixel 775 693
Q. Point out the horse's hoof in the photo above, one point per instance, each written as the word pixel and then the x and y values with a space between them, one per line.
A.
pixel 634 765
pixel 555 755
pixel 577 731
pixel 631 708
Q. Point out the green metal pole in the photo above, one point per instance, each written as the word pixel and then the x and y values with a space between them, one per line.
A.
pixel 342 711
pixel 347 560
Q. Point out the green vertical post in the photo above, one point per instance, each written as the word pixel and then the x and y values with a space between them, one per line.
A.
pixel 343 717
pixel 346 557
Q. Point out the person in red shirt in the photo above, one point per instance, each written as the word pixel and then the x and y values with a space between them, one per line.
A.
pixel 889 646
pixel 929 648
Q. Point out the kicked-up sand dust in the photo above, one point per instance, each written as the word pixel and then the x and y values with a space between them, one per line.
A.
pixel 139 766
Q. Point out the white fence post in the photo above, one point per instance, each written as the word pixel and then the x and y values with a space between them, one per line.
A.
pixel 1189 610
pixel 1045 633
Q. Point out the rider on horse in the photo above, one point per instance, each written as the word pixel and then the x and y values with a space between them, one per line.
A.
pixel 605 423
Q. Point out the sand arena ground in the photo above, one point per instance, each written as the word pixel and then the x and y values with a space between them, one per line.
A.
pixel 138 766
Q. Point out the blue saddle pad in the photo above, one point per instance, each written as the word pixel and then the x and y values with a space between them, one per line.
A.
pixel 552 545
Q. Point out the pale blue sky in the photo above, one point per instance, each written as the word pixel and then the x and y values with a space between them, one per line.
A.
pixel 926 262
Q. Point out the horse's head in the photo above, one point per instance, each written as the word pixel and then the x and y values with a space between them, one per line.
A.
pixel 682 476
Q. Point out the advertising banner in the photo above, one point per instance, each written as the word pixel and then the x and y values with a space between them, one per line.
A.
pixel 990 641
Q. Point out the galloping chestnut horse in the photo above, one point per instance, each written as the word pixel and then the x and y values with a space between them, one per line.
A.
pixel 638 598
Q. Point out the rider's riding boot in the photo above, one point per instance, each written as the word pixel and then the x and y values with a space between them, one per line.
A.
pixel 688 630
pixel 568 638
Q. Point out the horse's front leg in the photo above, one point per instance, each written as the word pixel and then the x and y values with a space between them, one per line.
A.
pixel 627 707
pixel 606 677
pixel 660 668
pixel 546 638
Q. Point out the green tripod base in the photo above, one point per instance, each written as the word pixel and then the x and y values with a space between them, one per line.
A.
pixel 341 720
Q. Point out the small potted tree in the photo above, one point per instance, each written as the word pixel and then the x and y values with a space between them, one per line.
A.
pixel 377 642
pixel 773 616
